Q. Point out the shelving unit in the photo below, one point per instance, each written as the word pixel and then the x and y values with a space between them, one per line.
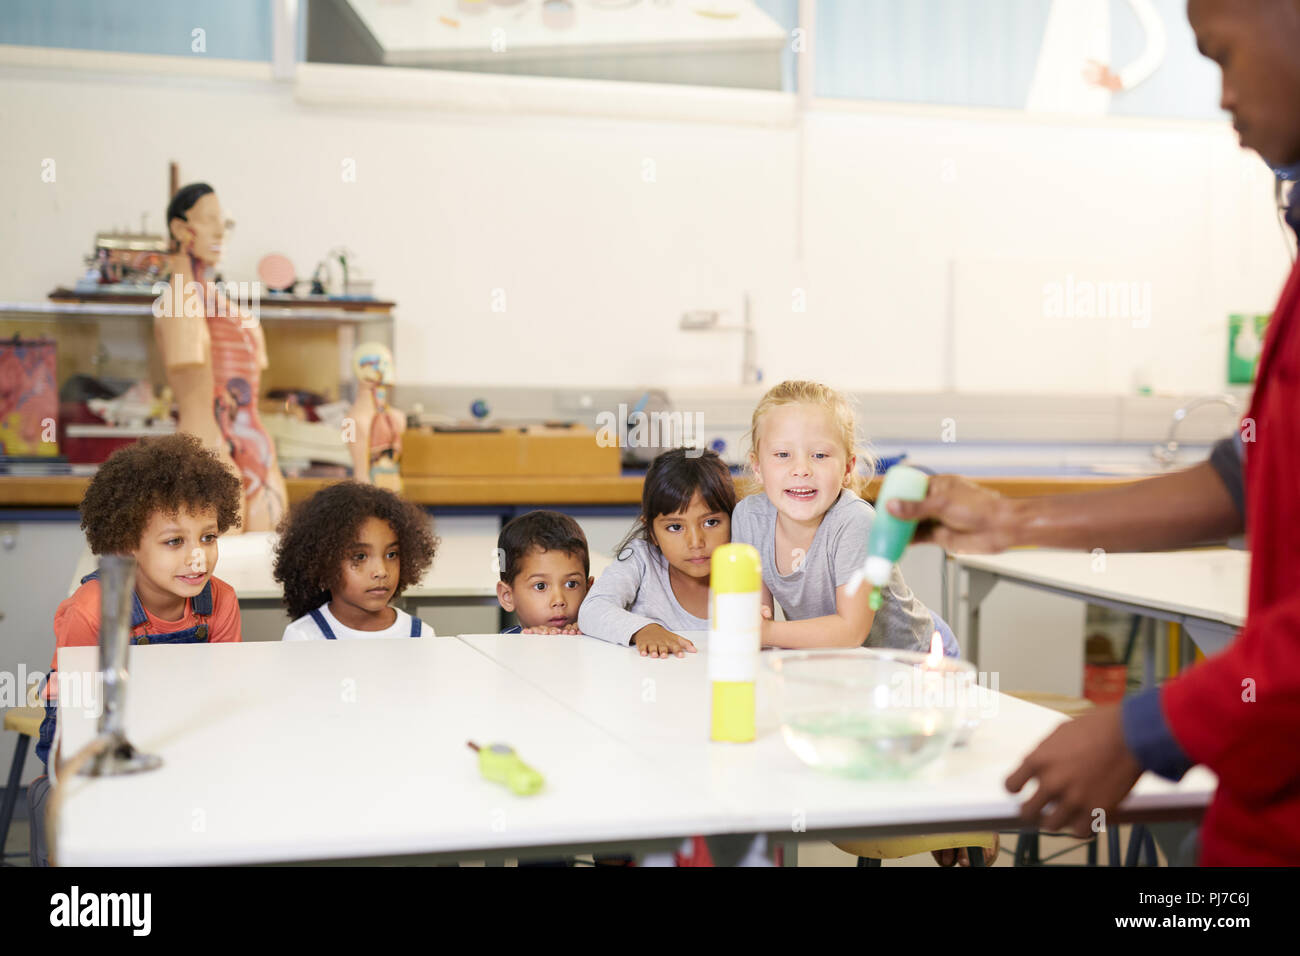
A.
pixel 309 340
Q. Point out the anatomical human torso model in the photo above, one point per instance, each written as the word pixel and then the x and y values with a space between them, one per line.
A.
pixel 377 438
pixel 214 353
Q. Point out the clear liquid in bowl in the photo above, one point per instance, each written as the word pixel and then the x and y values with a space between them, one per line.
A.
pixel 870 743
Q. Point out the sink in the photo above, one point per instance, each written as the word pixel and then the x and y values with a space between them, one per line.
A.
pixel 1128 468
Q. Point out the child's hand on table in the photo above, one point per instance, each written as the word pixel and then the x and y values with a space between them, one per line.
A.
pixel 654 640
pixel 567 629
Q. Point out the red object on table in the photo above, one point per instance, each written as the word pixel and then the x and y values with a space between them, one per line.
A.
pixel 86 450
pixel 1104 683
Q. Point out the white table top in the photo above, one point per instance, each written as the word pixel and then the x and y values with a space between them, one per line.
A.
pixel 410 31
pixel 261 746
pixel 1209 583
pixel 260 749
pixel 764 783
pixel 463 567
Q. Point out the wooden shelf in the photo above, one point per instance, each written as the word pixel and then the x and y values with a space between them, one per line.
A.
pixel 296 302
pixel 309 342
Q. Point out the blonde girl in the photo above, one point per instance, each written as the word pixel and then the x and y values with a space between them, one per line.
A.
pixel 810 523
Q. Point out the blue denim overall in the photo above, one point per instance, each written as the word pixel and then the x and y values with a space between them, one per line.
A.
pixel 324 625
pixel 198 634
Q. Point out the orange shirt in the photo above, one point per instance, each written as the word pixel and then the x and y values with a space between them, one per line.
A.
pixel 76 622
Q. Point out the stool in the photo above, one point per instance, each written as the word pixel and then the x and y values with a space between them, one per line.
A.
pixel 872 852
pixel 27 722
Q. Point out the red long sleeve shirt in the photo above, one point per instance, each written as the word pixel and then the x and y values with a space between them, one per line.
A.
pixel 1239 712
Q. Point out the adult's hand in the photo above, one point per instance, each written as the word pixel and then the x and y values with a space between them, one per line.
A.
pixel 958 515
pixel 1175 510
pixel 1083 766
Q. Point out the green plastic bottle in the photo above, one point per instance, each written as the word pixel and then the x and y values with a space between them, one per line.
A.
pixel 890 536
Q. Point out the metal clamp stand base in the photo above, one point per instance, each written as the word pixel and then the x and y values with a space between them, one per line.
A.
pixel 120 758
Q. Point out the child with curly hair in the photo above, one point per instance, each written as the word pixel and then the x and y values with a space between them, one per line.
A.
pixel 164 502
pixel 343 555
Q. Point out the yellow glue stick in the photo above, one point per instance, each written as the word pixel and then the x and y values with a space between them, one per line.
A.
pixel 735 580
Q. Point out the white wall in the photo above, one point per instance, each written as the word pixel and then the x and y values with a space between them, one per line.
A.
pixel 1014 204
pixel 928 234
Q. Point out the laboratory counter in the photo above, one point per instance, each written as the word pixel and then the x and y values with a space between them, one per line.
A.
pixel 61 492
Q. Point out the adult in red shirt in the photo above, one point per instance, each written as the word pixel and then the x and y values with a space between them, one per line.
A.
pixel 1239 712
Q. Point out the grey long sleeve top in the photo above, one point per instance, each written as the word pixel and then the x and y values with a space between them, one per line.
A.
pixel 632 592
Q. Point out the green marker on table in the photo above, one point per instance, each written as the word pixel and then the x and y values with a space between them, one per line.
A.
pixel 500 764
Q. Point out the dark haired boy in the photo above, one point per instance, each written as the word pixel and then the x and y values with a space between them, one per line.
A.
pixel 545 572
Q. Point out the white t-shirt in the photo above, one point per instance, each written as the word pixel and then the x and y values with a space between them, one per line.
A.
pixel 306 629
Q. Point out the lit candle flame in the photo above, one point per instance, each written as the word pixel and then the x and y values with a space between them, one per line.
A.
pixel 935 657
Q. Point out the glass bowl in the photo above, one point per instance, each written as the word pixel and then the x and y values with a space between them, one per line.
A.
pixel 872 712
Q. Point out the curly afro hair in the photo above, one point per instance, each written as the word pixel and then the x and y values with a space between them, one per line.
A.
pixel 315 537
pixel 155 474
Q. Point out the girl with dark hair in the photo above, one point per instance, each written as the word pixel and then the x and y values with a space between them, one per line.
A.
pixel 343 555
pixel 214 351
pixel 660 583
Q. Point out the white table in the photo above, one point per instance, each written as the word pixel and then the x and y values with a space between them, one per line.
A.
pixel 258 742
pixel 1204 590
pixel 463 570
pixel 660 709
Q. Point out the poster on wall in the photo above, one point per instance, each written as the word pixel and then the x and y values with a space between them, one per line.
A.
pixel 1060 58
pixel 29 398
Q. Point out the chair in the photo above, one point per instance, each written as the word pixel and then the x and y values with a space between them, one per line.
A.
pixel 873 852
pixel 26 721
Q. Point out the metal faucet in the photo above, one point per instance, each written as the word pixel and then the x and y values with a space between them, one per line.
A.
pixel 1168 452
pixel 706 320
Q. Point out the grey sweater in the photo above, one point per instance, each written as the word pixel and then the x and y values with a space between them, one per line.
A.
pixel 631 593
